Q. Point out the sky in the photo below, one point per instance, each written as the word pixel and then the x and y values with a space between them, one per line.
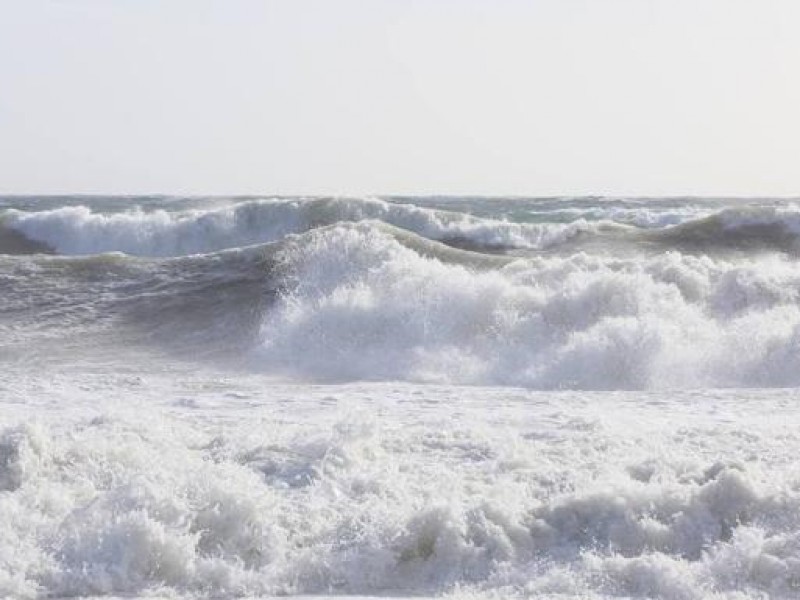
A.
pixel 351 97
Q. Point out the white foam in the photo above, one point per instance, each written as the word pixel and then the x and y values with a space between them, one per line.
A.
pixel 395 490
pixel 79 230
pixel 359 305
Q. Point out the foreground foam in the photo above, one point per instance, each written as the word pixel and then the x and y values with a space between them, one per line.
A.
pixel 547 496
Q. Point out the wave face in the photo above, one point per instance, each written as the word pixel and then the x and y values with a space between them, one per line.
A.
pixel 328 289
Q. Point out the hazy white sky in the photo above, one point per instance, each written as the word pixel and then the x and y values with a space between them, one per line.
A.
pixel 536 97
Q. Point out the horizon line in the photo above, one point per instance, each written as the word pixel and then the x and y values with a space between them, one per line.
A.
pixel 597 196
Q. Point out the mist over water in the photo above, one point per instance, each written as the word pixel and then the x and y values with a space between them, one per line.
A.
pixel 403 396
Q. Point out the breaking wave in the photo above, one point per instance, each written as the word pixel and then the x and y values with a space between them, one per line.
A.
pixel 367 301
pixel 80 230
pixel 342 289
pixel 358 304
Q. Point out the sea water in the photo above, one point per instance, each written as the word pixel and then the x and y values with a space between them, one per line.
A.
pixel 459 397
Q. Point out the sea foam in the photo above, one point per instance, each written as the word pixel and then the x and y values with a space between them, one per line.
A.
pixel 356 303
pixel 550 495
pixel 80 230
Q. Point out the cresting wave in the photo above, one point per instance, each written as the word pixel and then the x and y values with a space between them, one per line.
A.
pixel 80 230
pixel 164 232
pixel 356 303
pixel 367 301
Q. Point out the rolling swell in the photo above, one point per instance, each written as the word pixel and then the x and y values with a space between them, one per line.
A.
pixel 15 242
pixel 200 306
pixel 747 229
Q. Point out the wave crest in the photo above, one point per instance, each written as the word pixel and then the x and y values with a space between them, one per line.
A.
pixel 80 230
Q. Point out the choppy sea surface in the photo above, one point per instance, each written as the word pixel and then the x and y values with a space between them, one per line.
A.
pixel 399 397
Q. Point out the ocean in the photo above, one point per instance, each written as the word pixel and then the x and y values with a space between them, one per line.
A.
pixel 399 397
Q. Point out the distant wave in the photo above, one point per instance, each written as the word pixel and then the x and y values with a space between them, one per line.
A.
pixel 79 230
pixel 747 228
